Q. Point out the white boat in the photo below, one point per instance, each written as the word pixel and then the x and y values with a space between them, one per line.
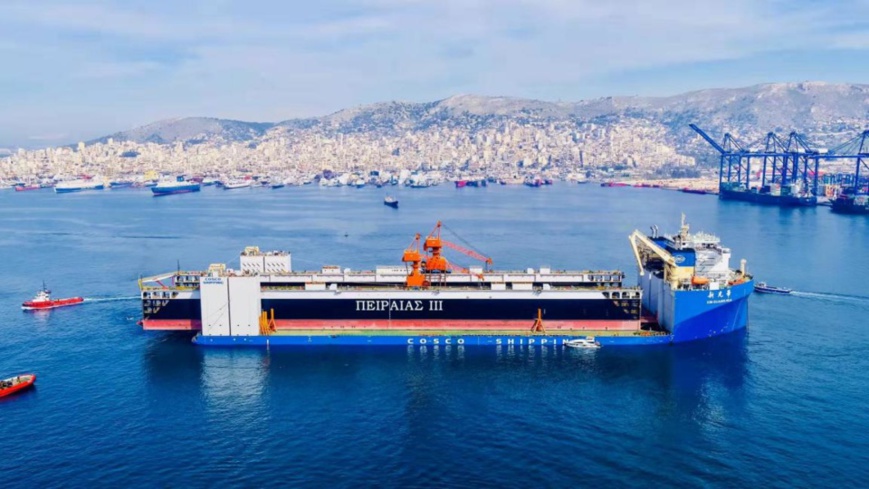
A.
pixel 70 186
pixel 234 184
pixel 586 343
pixel 763 288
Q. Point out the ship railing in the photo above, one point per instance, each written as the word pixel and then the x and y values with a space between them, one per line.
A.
pixel 436 287
pixel 144 288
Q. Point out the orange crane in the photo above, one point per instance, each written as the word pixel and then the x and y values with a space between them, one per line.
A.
pixel 431 250
pixel 440 243
pixel 413 256
pixel 433 245
pixel 473 254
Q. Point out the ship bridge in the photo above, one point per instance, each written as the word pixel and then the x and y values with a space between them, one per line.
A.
pixel 686 260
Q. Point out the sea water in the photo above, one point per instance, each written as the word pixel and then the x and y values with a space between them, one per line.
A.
pixel 782 405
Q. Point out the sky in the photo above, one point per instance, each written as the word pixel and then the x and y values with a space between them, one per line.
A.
pixel 74 70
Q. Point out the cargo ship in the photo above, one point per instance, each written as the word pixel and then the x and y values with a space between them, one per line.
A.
pixel 71 186
pixel 785 196
pixel 849 203
pixel 686 292
pixel 23 187
pixel 172 187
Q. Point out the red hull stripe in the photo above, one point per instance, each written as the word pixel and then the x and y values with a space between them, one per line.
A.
pixel 517 325
pixel 172 324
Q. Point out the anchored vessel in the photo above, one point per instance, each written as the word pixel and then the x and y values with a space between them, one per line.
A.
pixel 849 203
pixel 686 292
pixel 177 186
pixel 235 184
pixel 78 186
pixel 791 195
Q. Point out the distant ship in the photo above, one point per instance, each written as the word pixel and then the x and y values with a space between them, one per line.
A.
pixel 178 186
pixel 787 196
pixel 689 190
pixel 762 287
pixel 533 182
pixel 391 202
pixel 116 184
pixel 235 184
pixel 78 186
pixel 22 187
pixel 851 204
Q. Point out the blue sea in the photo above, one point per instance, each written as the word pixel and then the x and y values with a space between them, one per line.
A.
pixel 783 405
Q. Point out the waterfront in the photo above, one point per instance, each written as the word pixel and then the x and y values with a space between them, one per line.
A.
pixel 780 406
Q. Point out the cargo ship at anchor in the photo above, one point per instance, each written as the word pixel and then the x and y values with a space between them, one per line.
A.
pixel 686 292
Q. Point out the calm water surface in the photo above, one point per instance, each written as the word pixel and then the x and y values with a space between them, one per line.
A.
pixel 782 406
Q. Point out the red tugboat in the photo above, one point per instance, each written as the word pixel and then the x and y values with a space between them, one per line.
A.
pixel 16 384
pixel 21 187
pixel 43 300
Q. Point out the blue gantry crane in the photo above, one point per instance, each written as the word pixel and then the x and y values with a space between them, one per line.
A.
pixel 853 198
pixel 791 181
pixel 856 148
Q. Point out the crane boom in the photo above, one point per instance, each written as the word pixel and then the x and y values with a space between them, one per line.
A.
pixel 707 138
pixel 471 253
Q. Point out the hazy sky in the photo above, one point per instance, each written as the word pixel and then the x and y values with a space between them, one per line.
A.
pixel 79 69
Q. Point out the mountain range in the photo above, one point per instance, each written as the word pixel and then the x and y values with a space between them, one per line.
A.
pixel 826 113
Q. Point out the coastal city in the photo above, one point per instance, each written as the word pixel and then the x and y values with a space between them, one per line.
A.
pixel 513 154
pixel 461 139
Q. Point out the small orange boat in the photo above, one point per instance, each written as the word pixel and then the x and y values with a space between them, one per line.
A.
pixel 16 384
pixel 43 300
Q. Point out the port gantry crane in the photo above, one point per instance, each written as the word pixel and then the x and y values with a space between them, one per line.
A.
pixel 856 148
pixel 787 161
pixel 426 258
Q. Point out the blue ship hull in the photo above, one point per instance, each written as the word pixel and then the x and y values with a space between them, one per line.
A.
pixel 544 341
pixel 184 189
pixel 696 314
pixel 699 316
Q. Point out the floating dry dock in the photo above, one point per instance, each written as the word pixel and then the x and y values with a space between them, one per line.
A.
pixel 686 291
